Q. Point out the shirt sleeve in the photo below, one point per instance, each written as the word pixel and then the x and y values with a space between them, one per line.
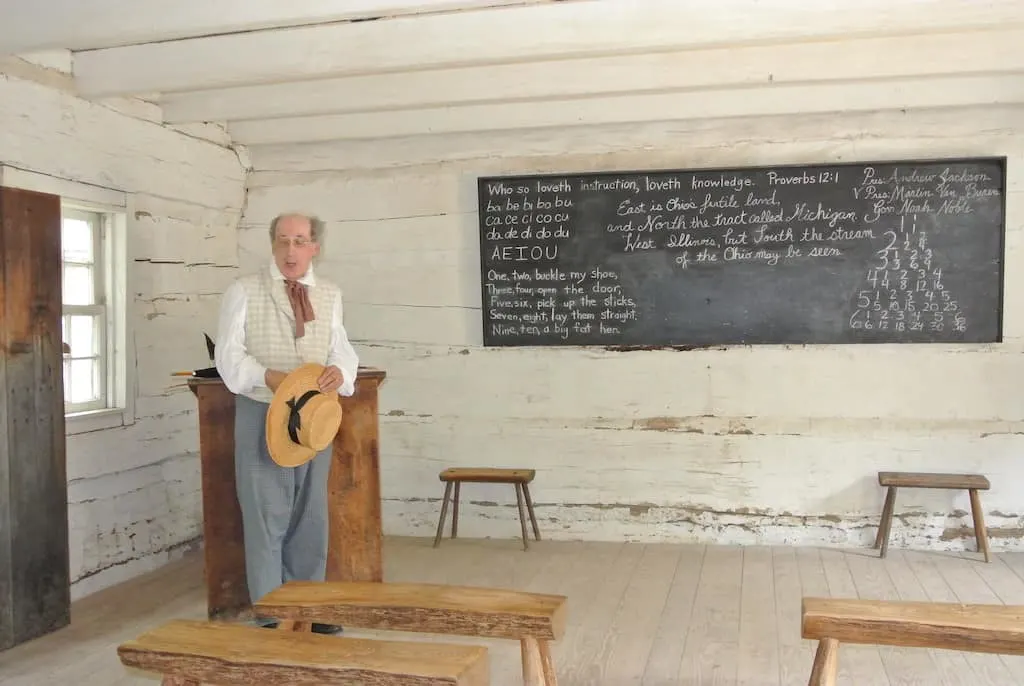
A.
pixel 240 371
pixel 342 355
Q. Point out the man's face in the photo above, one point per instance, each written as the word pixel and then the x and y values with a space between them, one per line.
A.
pixel 294 248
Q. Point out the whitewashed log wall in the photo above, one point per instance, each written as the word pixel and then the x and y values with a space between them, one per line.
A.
pixel 738 446
pixel 134 491
pixel 382 127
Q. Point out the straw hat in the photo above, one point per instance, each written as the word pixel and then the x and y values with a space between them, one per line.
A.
pixel 301 420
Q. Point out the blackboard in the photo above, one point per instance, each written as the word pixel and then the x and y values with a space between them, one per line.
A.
pixel 888 252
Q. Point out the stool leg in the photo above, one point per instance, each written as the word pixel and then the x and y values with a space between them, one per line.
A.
pixel 444 513
pixel 522 515
pixel 885 524
pixel 455 510
pixel 980 533
pixel 529 508
pixel 826 663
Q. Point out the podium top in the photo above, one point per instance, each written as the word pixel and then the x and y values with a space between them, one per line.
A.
pixel 364 373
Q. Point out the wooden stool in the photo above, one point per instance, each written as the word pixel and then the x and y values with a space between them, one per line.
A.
pixel 190 653
pixel 997 629
pixel 519 477
pixel 533 619
pixel 972 483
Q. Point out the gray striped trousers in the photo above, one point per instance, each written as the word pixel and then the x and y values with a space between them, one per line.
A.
pixel 284 509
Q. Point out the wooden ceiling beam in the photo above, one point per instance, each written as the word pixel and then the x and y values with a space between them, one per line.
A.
pixel 546 31
pixel 765 100
pixel 879 58
pixel 29 26
pixel 750 140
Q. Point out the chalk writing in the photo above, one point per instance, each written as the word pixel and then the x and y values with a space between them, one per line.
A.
pixel 904 289
pixel 888 251
pixel 553 302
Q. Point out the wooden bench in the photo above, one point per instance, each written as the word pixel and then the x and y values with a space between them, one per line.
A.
pixel 943 626
pixel 190 653
pixel 972 483
pixel 521 478
pixel 532 619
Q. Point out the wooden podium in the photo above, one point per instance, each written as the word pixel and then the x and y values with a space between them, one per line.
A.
pixel 354 552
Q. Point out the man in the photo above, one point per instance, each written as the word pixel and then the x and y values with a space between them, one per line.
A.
pixel 271 322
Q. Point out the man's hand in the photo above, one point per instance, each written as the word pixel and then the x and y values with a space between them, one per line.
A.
pixel 331 379
pixel 273 379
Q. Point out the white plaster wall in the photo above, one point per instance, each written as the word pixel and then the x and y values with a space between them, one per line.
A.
pixel 765 444
pixel 134 491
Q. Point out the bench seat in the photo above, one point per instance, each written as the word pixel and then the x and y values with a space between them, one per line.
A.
pixel 934 480
pixel 488 475
pixel 533 619
pixel 190 653
pixel 429 608
pixel 943 626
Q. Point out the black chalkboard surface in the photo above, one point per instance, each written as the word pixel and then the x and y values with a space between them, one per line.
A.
pixel 893 252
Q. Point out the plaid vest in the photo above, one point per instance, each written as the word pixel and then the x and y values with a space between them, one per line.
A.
pixel 270 325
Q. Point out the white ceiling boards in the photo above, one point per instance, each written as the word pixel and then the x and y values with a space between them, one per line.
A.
pixel 310 71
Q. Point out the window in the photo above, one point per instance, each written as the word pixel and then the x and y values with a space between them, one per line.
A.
pixel 94 276
pixel 98 365
pixel 87 384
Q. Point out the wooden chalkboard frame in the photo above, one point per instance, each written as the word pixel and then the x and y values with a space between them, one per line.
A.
pixel 998 160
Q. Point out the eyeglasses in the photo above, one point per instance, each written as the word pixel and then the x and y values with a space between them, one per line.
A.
pixel 298 242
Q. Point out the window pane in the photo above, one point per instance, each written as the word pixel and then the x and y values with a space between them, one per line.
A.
pixel 78 285
pixel 65 340
pixel 84 375
pixel 76 241
pixel 85 340
pixel 67 381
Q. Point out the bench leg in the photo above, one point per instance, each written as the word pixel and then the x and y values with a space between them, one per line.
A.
pixel 547 665
pixel 170 680
pixel 444 513
pixel 826 663
pixel 529 508
pixel 294 625
pixel 538 667
pixel 455 510
pixel 980 533
pixel 522 515
pixel 885 523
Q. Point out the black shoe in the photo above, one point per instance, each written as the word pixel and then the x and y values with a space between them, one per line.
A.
pixel 326 628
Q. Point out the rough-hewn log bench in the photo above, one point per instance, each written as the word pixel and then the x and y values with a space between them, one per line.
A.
pixel 190 653
pixel 972 483
pixel 943 626
pixel 533 619
pixel 456 476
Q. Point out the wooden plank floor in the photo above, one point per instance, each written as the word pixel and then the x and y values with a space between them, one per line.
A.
pixel 643 615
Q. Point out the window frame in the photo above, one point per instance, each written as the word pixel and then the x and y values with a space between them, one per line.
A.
pixel 116 208
pixel 99 222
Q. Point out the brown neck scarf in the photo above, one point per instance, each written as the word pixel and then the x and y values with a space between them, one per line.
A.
pixel 298 295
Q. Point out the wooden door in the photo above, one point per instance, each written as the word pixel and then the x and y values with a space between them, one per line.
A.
pixel 35 591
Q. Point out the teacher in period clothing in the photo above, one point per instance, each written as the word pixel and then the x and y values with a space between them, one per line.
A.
pixel 271 322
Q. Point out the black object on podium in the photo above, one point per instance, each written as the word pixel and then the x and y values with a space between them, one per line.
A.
pixel 206 372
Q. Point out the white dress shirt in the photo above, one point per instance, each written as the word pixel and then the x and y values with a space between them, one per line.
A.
pixel 241 372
